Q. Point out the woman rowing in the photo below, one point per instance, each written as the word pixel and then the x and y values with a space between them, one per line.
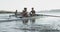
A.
pixel 24 13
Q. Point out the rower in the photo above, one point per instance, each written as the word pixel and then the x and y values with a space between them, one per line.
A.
pixel 25 13
pixel 32 13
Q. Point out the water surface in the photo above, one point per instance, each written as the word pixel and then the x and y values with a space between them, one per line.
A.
pixel 43 24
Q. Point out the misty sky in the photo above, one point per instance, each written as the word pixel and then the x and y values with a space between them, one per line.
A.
pixel 39 5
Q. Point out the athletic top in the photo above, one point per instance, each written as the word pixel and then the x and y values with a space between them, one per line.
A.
pixel 32 13
pixel 24 14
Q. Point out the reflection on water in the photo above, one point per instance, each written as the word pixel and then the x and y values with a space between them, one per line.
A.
pixel 25 21
pixel 46 24
pixel 32 20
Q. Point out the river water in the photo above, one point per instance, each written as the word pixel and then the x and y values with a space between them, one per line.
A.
pixel 43 24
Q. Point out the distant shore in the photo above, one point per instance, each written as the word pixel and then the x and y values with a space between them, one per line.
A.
pixel 4 12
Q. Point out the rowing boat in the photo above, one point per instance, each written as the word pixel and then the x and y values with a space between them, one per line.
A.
pixel 29 17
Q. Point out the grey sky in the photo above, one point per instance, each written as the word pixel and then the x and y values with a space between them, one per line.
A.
pixel 37 4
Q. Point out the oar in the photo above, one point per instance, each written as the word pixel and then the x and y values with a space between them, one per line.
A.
pixel 50 15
